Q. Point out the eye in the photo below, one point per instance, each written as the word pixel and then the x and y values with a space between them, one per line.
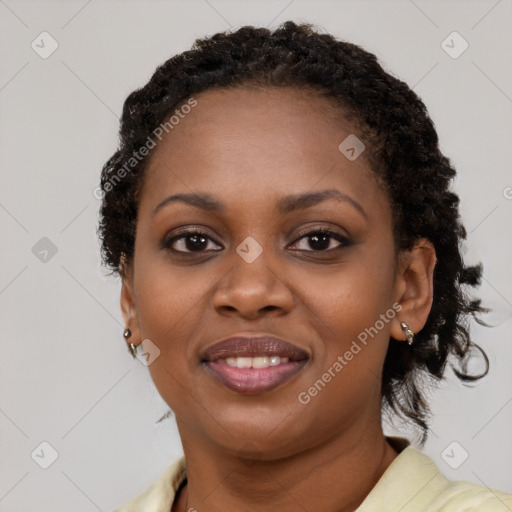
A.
pixel 321 239
pixel 190 240
pixel 194 240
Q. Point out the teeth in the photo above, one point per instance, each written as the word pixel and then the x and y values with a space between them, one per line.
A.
pixel 275 360
pixel 243 362
pixel 254 362
pixel 260 362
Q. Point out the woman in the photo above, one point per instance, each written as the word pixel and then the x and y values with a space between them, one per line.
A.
pixel 280 214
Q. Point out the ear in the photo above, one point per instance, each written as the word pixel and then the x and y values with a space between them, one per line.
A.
pixel 128 308
pixel 414 287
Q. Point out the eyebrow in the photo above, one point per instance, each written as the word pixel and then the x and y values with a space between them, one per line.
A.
pixel 285 205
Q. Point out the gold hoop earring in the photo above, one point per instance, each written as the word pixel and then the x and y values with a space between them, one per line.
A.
pixel 409 335
pixel 131 347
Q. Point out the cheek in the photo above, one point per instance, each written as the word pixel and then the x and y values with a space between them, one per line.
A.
pixel 167 297
pixel 354 310
pixel 355 341
pixel 170 304
pixel 356 294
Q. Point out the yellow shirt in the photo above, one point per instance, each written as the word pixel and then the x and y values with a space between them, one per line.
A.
pixel 411 483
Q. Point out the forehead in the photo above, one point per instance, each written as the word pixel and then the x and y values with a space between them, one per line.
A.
pixel 250 141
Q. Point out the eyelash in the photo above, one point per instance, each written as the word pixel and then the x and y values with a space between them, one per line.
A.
pixel 344 241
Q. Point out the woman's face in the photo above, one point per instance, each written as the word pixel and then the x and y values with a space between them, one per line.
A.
pixel 255 270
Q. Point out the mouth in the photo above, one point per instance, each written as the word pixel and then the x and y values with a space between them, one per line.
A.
pixel 251 364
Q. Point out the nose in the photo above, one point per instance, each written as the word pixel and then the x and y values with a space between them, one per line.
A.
pixel 254 289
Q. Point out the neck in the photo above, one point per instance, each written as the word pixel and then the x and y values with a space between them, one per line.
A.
pixel 335 476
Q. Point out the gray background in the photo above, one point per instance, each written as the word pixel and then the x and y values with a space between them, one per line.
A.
pixel 65 374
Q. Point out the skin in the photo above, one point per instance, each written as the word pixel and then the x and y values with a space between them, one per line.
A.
pixel 248 148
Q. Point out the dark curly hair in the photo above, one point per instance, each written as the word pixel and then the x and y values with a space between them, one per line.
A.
pixel 402 150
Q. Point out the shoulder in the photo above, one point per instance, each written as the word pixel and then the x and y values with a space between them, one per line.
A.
pixel 470 497
pixel 413 482
pixel 159 496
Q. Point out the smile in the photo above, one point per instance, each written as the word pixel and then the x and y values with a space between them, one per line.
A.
pixel 252 364
pixel 246 377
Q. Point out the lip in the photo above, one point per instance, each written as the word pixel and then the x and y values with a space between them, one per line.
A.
pixel 253 381
pixel 252 345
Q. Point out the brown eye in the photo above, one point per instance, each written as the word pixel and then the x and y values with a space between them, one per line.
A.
pixel 321 240
pixel 189 241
